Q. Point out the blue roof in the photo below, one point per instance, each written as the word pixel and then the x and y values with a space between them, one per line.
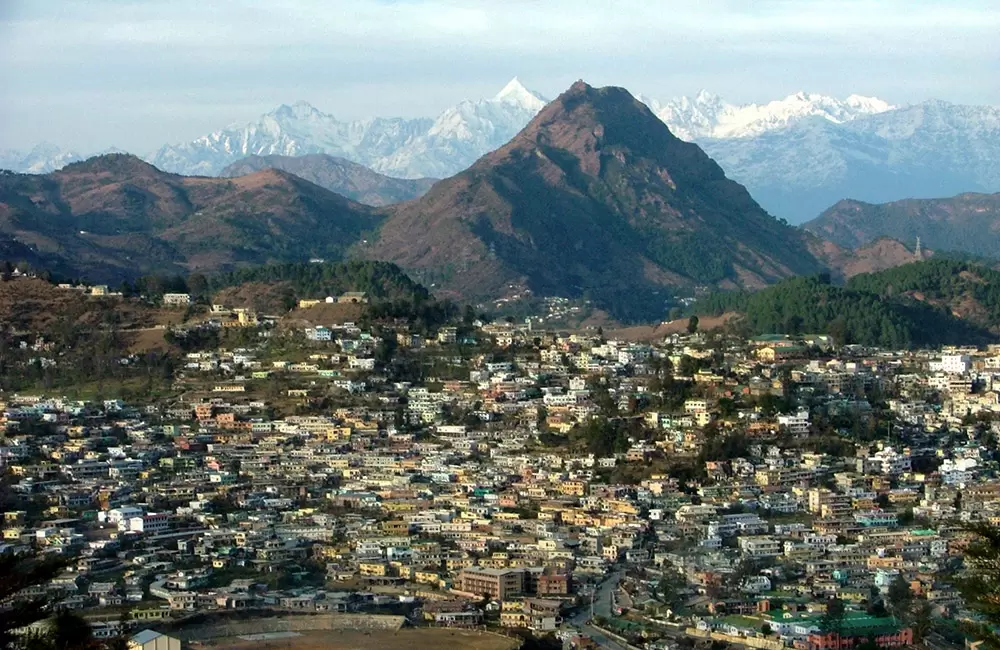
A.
pixel 146 636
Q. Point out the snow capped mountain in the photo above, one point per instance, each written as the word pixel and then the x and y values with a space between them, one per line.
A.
pixel 796 155
pixel 515 93
pixel 710 116
pixel 293 130
pixel 43 158
pixel 927 150
pixel 395 146
pixel 463 133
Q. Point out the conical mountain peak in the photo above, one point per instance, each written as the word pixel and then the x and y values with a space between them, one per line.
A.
pixel 594 194
pixel 516 93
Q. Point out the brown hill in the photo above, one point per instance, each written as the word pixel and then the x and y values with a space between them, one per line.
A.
pixel 339 175
pixel 115 216
pixel 876 256
pixel 595 196
pixel 968 223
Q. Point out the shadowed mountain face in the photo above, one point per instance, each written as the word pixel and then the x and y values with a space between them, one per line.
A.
pixel 594 197
pixel 339 175
pixel 114 216
pixel 968 223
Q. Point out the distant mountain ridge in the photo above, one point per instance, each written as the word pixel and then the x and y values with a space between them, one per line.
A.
pixel 708 116
pixel 968 223
pixel 339 175
pixel 414 148
pixel 922 151
pixel 797 155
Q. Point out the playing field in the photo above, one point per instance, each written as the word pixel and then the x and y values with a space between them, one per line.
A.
pixel 406 639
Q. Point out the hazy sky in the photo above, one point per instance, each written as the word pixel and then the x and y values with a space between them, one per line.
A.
pixel 137 74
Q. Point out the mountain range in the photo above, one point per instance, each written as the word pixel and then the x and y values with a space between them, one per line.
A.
pixel 927 150
pixel 968 223
pixel 416 148
pixel 593 198
pixel 797 155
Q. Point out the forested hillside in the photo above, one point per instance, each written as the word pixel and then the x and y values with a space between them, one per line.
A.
pixel 380 280
pixel 970 291
pixel 853 314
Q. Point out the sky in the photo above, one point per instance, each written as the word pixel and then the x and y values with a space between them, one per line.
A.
pixel 90 74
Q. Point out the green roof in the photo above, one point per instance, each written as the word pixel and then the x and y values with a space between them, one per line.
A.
pixel 859 622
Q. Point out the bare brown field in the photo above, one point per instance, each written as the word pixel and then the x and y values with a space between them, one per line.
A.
pixel 405 639
pixel 654 332
pixel 148 340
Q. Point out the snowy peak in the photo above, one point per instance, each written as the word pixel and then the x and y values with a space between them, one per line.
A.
pixel 869 105
pixel 299 110
pixel 44 157
pixel 515 93
pixel 710 116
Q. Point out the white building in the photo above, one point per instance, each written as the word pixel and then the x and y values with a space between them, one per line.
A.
pixel 177 299
pixel 148 523
pixel 797 424
pixel 951 363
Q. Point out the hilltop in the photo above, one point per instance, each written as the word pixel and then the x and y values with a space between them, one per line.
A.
pixel 968 223
pixel 114 217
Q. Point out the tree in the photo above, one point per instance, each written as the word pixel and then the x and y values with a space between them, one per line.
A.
pixel 197 285
pixel 692 325
pixel 899 598
pixel 69 631
pixel 920 619
pixel 980 582
pixel 17 573
pixel 833 618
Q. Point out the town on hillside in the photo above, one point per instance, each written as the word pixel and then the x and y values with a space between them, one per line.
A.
pixel 203 470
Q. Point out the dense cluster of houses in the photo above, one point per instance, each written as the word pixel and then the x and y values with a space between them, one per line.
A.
pixel 470 496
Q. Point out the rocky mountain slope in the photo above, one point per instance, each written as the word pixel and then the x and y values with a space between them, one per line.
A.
pixel 339 175
pixel 968 222
pixel 594 197
pixel 115 216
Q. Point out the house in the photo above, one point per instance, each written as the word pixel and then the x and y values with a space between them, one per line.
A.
pixel 152 640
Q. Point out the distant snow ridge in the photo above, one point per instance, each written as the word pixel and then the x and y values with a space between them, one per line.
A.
pixel 412 148
pixel 42 159
pixel 393 146
pixel 710 116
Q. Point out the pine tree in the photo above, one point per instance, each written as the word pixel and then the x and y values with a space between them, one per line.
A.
pixel 980 583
